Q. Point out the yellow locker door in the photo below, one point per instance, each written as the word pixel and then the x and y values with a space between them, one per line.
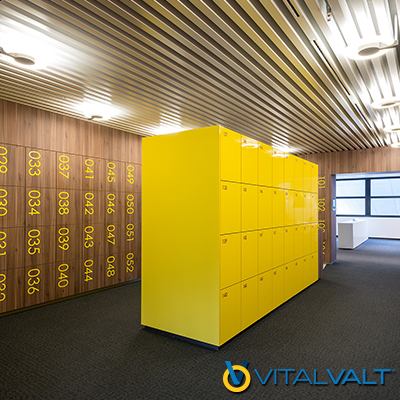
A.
pixel 249 302
pixel 307 207
pixel 249 160
pixel 264 207
pixel 289 273
pixel 289 207
pixel 278 246
pixel 299 241
pixel 278 207
pixel 264 293
pixel 307 176
pixel 307 271
pixel 278 168
pixel 265 250
pixel 299 174
pixel 249 207
pixel 313 267
pixel 289 243
pixel 314 207
pixel 231 154
pixel 230 207
pixel 314 238
pixel 230 246
pixel 314 178
pixel 278 286
pixel 230 312
pixel 249 254
pixel 307 239
pixel 298 275
pixel 289 171
pixel 264 164
pixel 299 208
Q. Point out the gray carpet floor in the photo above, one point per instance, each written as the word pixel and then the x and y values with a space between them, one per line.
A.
pixel 94 347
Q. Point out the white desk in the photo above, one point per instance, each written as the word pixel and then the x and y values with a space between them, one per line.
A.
pixel 352 233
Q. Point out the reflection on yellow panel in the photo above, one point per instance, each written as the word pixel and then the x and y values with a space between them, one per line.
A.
pixel 231 153
pixel 265 293
pixel 249 161
pixel 230 207
pixel 249 302
pixel 230 316
pixel 278 246
pixel 299 241
pixel 289 272
pixel 278 207
pixel 264 165
pixel 265 250
pixel 278 286
pixel 299 174
pixel 299 207
pixel 278 168
pixel 249 254
pixel 314 207
pixel 307 207
pixel 289 243
pixel 264 207
pixel 314 178
pixel 299 275
pixel 230 259
pixel 249 207
pixel 290 162
pixel 307 239
pixel 289 207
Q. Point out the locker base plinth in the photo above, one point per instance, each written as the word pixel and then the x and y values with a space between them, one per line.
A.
pixel 179 337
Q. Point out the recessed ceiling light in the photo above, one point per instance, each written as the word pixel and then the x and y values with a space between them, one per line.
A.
pixel 386 102
pixel 97 111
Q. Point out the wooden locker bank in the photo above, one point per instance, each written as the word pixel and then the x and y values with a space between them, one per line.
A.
pixel 229 232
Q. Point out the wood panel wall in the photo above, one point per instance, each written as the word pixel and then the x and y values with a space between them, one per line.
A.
pixel 70 206
pixel 385 159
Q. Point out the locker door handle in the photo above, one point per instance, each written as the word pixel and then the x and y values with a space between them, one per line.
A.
pixel 261 191
pixel 274 272
pixel 286 267
pixel 245 190
pixel 261 279
pixel 225 294
pixel 224 187
pixel 261 234
pixel 245 237
pixel 224 241
pixel 245 286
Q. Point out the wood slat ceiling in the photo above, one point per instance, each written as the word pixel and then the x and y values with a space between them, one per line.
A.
pixel 270 69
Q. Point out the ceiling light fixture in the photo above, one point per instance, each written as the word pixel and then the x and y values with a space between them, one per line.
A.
pixel 23 59
pixel 386 102
pixel 392 128
pixel 373 46
pixel 97 111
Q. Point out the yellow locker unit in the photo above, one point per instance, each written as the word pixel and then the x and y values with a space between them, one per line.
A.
pixel 228 232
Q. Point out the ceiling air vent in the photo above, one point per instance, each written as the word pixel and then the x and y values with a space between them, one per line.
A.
pixel 330 66
pixel 292 8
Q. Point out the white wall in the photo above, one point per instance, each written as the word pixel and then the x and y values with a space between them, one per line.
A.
pixel 388 228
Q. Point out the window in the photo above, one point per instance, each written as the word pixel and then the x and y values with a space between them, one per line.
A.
pixel 369 197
